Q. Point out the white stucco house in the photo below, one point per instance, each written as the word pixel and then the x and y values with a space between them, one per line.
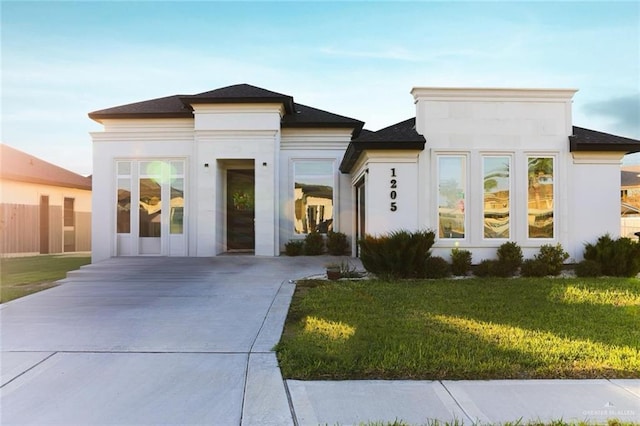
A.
pixel 242 168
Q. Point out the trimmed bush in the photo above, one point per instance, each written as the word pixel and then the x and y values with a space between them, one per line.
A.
pixel 337 243
pixel 313 244
pixel 552 258
pixel 485 268
pixel 588 268
pixel 400 254
pixel 533 268
pixel 294 247
pixel 548 261
pixel 437 267
pixel 460 261
pixel 618 258
pixel 510 259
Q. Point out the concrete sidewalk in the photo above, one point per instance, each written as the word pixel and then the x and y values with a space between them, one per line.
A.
pixel 134 341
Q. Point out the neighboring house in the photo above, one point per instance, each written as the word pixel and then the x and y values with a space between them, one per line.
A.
pixel 246 169
pixel 630 198
pixel 43 208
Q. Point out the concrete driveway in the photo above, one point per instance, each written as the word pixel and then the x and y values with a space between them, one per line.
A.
pixel 151 341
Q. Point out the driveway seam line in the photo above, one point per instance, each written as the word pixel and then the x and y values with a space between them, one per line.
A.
pixel 457 403
pixel 266 315
pixel 28 369
pixel 294 417
pixel 244 388
pixel 623 388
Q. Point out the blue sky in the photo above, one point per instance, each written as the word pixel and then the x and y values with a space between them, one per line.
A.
pixel 61 60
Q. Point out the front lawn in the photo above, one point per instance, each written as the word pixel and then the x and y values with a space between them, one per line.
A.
pixel 520 328
pixel 20 276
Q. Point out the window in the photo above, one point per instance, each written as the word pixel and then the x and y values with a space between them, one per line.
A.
pixel 497 196
pixel 176 215
pixel 540 197
pixel 313 196
pixel 68 212
pixel 150 200
pixel 123 203
pixel 452 171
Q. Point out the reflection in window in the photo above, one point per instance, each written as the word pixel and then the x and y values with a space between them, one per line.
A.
pixel 150 208
pixel 177 206
pixel 540 197
pixel 451 196
pixel 123 206
pixel 313 195
pixel 496 196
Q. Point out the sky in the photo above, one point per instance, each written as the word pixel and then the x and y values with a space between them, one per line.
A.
pixel 62 60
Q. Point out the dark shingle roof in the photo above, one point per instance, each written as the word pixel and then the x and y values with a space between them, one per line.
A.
pixel 178 106
pixel 19 166
pixel 240 93
pixel 306 116
pixel 400 136
pixel 590 140
pixel 167 107
pixel 404 131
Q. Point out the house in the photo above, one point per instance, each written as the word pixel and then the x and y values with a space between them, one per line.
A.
pixel 630 200
pixel 242 168
pixel 43 208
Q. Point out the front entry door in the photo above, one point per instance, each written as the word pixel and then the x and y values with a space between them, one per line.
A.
pixel 240 210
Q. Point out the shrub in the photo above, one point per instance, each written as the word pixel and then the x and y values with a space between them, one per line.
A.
pixel 485 268
pixel 548 261
pixel 313 244
pixel 437 267
pixel 588 268
pixel 294 247
pixel 619 257
pixel 494 268
pixel 400 254
pixel 337 243
pixel 460 261
pixel 533 268
pixel 509 258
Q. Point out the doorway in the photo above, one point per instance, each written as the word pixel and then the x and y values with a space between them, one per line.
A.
pixel 241 210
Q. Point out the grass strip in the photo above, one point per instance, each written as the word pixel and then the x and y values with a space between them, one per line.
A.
pixel 20 276
pixel 518 328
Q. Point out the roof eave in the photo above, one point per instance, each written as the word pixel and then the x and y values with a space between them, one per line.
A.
pixel 575 145
pixel 96 116
pixel 355 150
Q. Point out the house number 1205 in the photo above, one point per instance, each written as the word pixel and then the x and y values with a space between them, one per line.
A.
pixel 393 194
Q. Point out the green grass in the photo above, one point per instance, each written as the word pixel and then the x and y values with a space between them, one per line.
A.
pixel 517 328
pixel 25 275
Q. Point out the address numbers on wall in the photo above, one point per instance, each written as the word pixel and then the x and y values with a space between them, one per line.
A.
pixel 393 184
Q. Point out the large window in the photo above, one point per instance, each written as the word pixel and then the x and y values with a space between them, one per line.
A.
pixel 452 171
pixel 123 206
pixel 313 196
pixel 540 197
pixel 497 198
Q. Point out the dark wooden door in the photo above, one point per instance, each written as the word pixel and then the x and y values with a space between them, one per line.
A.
pixel 240 210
